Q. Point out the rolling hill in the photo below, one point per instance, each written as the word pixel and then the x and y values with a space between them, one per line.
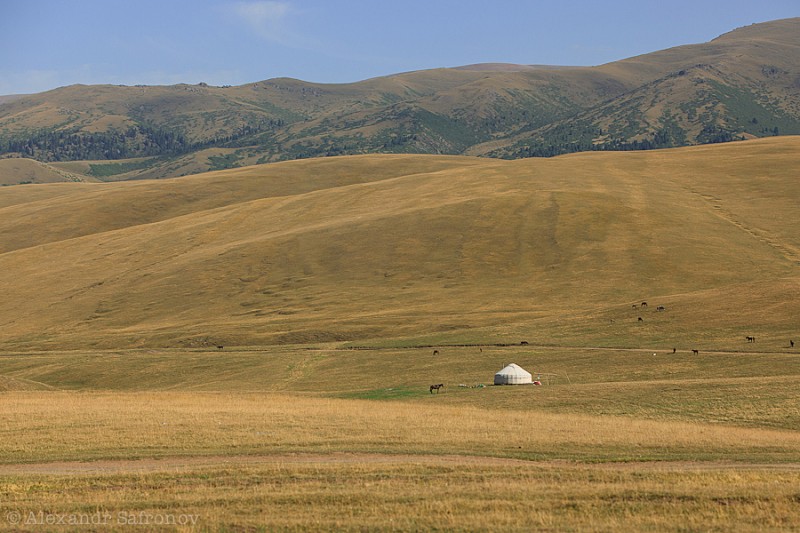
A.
pixel 413 249
pixel 22 171
pixel 743 84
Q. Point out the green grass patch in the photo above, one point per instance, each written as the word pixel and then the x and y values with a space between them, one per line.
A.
pixel 222 162
pixel 105 170
pixel 757 118
pixel 391 393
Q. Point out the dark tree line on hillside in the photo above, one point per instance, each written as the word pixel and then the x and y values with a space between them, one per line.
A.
pixel 552 150
pixel 135 141
pixel 665 138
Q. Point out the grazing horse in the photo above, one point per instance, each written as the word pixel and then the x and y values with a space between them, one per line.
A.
pixel 674 350
pixel 661 308
pixel 791 343
pixel 437 387
pixel 635 306
pixel 695 352
pixel 219 347
pixel 436 352
pixel 640 319
pixel 644 304
pixel 524 343
pixel 750 339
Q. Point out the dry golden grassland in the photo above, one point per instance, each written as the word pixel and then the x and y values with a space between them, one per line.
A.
pixel 238 460
pixel 257 439
pixel 412 248
pixel 327 494
pixel 17 171
pixel 50 426
pixel 752 389
pixel 328 284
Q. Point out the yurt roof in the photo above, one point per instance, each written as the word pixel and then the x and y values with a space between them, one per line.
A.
pixel 513 368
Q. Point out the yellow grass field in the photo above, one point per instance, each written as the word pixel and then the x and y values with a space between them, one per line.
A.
pixel 239 460
pixel 252 350
pixel 294 438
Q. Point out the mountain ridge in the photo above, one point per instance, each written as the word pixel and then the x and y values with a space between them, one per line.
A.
pixel 742 84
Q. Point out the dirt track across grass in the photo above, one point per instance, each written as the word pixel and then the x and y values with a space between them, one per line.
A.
pixel 172 464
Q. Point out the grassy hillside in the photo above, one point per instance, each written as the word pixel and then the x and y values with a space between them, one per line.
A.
pixel 252 348
pixel 405 250
pixel 738 86
pixel 18 171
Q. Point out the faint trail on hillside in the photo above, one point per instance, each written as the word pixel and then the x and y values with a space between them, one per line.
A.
pixel 545 347
pixel 192 462
pixel 178 464
pixel 11 383
pixel 791 253
pixel 299 370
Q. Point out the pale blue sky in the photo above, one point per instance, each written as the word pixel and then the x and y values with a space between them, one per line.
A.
pixel 49 43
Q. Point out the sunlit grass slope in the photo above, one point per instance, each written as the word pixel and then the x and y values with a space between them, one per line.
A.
pixel 19 171
pixel 416 248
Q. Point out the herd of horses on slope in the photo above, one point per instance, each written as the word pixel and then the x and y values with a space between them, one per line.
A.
pixel 660 308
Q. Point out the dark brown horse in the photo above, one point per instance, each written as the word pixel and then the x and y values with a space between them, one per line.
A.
pixel 437 387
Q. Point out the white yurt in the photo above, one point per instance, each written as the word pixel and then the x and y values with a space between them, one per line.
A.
pixel 513 374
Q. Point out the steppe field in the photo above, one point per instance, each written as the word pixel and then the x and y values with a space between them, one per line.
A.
pixel 252 349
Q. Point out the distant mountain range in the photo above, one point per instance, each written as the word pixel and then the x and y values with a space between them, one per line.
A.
pixel 743 84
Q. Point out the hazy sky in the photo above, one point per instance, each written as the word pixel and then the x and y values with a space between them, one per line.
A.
pixel 49 43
